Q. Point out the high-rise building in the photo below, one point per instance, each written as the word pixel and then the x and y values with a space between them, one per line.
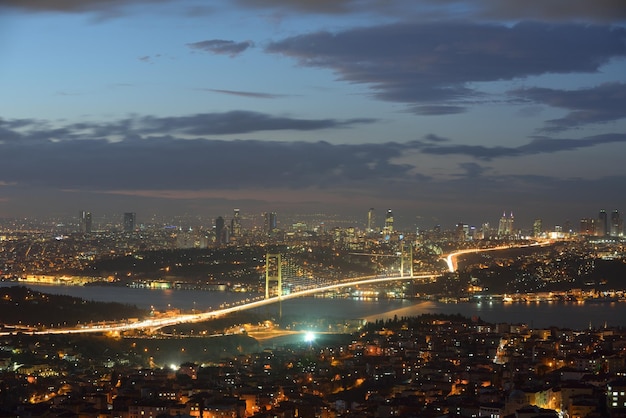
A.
pixel 603 224
pixel 587 226
pixel 462 231
pixel 616 229
pixel 271 222
pixel 235 224
pixel 85 222
pixel 220 231
pixel 388 222
pixel 129 221
pixel 537 228
pixel 506 225
pixel 371 220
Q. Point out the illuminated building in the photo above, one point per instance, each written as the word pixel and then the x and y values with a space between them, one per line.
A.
pixel 129 221
pixel 220 231
pixel 388 222
pixel 537 228
pixel 271 222
pixel 506 225
pixel 603 224
pixel 616 397
pixel 85 222
pixel 235 224
pixel 616 227
pixel 587 226
pixel 371 220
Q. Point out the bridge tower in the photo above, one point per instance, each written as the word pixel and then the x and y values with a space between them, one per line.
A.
pixel 406 259
pixel 273 273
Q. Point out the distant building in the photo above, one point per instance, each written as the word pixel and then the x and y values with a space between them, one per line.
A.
pixel 85 222
pixel 603 224
pixel 537 228
pixel 129 221
pixel 371 221
pixel 220 231
pixel 271 222
pixel 616 229
pixel 587 226
pixel 506 226
pixel 388 222
pixel 235 224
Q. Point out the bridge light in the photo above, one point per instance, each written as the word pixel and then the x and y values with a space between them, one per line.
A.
pixel 309 337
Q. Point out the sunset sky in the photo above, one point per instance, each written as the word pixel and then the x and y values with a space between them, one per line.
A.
pixel 445 111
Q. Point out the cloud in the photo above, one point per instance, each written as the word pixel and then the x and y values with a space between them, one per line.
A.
pixel 435 138
pixel 508 10
pixel 549 10
pixel 434 66
pixel 167 163
pixel 221 47
pixel 234 122
pixel 583 10
pixel 539 145
pixel 251 94
pixel 198 125
pixel 601 104
pixel 433 110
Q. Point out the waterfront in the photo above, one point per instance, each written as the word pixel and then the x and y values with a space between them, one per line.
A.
pixel 536 314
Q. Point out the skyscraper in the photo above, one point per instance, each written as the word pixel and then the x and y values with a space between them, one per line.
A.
pixel 603 224
pixel 506 225
pixel 371 220
pixel 537 228
pixel 271 222
pixel 388 222
pixel 616 227
pixel 85 222
pixel 235 224
pixel 587 226
pixel 129 221
pixel 220 231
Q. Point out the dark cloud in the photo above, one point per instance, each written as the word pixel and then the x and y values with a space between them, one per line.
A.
pixel 433 110
pixel 472 170
pixel 251 94
pixel 435 138
pixel 583 10
pixel 234 122
pixel 147 172
pixel 426 64
pixel 604 103
pixel 539 145
pixel 221 47
pixel 158 163
pixel 553 10
pixel 509 10
pixel 226 123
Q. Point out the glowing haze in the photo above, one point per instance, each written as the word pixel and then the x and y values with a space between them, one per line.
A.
pixel 445 111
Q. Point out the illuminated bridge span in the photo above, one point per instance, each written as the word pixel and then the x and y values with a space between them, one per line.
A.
pixel 156 323
pixel 290 284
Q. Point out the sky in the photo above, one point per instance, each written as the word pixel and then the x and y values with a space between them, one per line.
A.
pixel 444 111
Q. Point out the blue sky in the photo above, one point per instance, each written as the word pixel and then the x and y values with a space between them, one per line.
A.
pixel 444 111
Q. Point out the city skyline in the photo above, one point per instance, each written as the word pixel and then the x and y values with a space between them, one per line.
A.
pixel 444 112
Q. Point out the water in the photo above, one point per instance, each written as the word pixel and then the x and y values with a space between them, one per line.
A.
pixel 538 315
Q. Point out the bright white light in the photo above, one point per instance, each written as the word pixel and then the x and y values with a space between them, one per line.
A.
pixel 309 337
pixel 173 367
